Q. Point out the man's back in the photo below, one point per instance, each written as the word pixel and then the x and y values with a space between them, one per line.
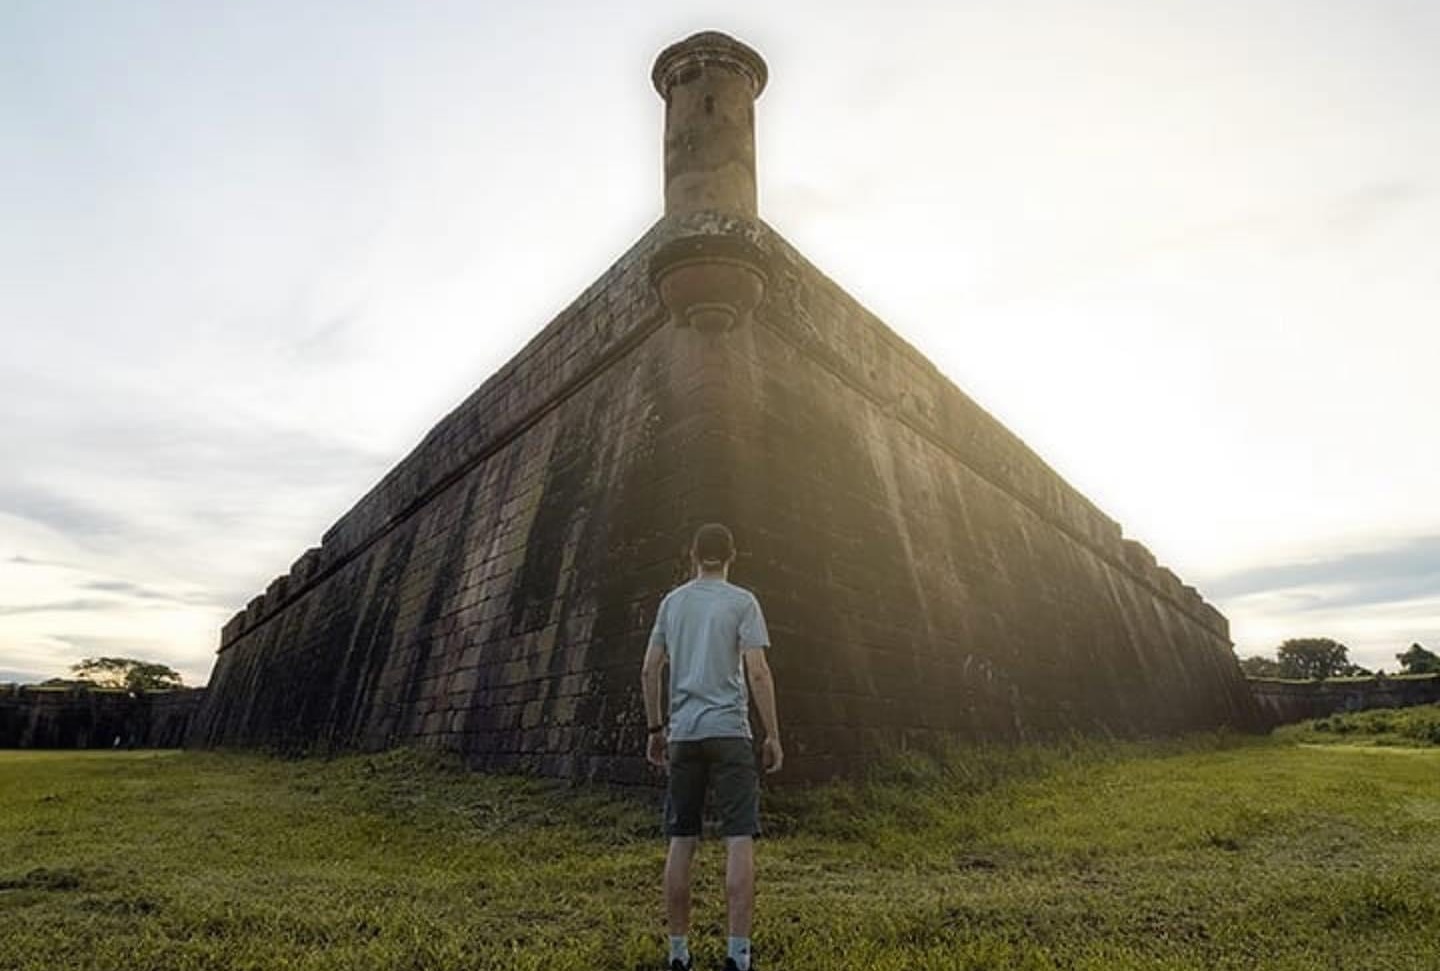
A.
pixel 704 625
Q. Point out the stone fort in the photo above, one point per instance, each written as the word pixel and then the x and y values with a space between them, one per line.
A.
pixel 925 574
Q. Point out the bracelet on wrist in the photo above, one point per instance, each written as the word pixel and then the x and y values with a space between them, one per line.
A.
pixel 657 728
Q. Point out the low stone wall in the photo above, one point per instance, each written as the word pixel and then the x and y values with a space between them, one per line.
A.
pixel 32 716
pixel 1291 701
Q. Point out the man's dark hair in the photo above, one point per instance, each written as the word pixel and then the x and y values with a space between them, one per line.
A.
pixel 713 544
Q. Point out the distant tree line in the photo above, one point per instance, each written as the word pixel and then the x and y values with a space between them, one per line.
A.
pixel 129 673
pixel 1317 658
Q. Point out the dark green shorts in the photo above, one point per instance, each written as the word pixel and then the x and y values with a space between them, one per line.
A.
pixel 726 766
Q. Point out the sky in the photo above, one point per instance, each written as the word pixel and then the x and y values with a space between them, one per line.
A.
pixel 250 253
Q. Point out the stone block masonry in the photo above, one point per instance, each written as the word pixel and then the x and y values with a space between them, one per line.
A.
pixel 925 574
pixel 32 716
pixel 487 595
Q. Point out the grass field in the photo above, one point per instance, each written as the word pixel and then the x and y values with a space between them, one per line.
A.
pixel 1387 726
pixel 1208 852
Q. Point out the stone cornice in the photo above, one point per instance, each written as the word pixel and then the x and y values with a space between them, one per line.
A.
pixel 708 47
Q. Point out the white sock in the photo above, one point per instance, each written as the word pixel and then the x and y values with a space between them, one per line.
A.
pixel 680 948
pixel 738 949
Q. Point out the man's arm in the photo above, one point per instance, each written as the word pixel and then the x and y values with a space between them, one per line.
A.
pixel 655 660
pixel 656 657
pixel 762 689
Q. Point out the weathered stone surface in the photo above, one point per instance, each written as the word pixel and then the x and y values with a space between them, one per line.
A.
pixel 1282 702
pixel 497 581
pixel 925 574
pixel 36 717
pixel 709 82
pixel 913 550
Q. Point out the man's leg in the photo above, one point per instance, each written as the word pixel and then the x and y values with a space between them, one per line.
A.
pixel 737 799
pixel 685 797
pixel 677 883
pixel 740 883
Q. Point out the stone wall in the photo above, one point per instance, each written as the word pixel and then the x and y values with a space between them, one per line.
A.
pixel 1282 702
pixel 924 572
pixel 37 717
pixel 488 595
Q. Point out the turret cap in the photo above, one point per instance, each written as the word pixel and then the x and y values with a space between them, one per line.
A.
pixel 707 47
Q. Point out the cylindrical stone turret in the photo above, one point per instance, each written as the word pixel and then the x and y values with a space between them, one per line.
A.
pixel 709 82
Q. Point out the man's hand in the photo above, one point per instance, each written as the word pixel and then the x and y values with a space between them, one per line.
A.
pixel 655 751
pixel 774 755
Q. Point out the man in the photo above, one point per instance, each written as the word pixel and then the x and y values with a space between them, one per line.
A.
pixel 708 630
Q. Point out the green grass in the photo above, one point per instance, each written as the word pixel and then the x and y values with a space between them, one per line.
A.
pixel 1210 852
pixel 1419 725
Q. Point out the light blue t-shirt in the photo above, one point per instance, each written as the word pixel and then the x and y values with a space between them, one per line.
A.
pixel 704 625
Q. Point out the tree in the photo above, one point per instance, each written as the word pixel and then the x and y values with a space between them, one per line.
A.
pixel 1313 657
pixel 1259 666
pixel 1417 660
pixel 127 672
